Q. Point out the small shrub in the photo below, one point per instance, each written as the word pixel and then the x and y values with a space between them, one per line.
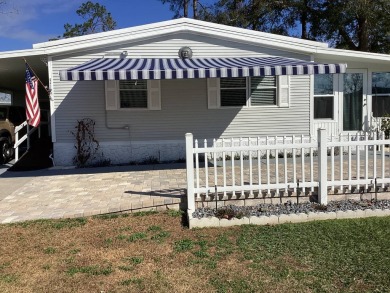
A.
pixel 320 207
pixel 225 213
pixel 385 125
pixel 86 145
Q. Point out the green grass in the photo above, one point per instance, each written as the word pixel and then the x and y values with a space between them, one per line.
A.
pixel 156 253
pixel 184 245
pixel 144 213
pixel 174 213
pixel 49 250
pixel 90 270
pixel 136 236
pixel 54 224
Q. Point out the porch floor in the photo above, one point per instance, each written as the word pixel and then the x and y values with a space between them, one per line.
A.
pixel 62 193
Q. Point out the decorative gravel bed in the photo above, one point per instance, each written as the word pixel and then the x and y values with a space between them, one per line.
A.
pixel 230 211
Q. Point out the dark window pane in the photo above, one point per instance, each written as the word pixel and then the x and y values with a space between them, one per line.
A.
pixel 323 107
pixel 380 105
pixel 3 113
pixel 14 116
pixel 239 82
pixel 233 97
pixel 323 84
pixel 263 97
pixel 133 84
pixel 133 99
pixel 353 102
pixel 380 83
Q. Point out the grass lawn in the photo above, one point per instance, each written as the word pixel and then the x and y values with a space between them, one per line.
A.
pixel 152 252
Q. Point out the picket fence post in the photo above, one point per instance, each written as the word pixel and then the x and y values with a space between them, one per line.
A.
pixel 190 172
pixel 322 167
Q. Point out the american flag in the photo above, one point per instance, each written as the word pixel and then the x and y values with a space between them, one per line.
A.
pixel 33 112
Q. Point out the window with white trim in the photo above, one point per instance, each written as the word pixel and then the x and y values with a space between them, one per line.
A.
pixel 323 96
pixel 253 91
pixel 381 94
pixel 233 92
pixel 133 94
pixel 263 91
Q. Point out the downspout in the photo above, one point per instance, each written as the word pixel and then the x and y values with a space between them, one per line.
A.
pixel 126 126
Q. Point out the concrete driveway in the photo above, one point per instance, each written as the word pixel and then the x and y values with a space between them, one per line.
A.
pixel 62 193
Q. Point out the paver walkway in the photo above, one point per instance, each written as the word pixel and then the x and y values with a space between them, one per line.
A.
pixel 54 193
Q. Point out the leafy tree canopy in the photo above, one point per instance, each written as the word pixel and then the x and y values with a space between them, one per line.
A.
pixel 96 19
pixel 362 25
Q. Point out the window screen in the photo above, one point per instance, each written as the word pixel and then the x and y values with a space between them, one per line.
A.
pixel 263 91
pixel 133 93
pixel 233 92
pixel 323 96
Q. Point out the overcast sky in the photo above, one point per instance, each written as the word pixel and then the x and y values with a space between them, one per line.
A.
pixel 25 22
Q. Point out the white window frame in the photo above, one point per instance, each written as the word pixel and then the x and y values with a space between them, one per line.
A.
pixel 377 95
pixel 113 97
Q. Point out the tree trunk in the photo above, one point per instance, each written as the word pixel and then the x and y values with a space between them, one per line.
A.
pixel 363 35
pixel 185 8
pixel 304 20
pixel 195 8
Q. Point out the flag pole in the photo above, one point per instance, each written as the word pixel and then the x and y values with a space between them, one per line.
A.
pixel 45 87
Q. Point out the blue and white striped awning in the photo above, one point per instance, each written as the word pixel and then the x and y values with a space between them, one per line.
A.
pixel 175 68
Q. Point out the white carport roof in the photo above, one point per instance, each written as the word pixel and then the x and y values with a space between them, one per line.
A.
pixel 12 68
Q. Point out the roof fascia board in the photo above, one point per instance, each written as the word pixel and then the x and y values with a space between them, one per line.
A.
pixel 352 55
pixel 177 26
pixel 22 53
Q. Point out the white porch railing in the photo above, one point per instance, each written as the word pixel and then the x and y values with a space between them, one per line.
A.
pixel 19 141
pixel 234 168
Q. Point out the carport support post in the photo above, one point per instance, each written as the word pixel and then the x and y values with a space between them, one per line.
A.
pixel 190 172
pixel 322 167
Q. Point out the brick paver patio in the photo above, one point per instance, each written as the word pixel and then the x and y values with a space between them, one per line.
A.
pixel 84 192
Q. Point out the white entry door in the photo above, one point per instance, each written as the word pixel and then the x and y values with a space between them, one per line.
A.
pixel 354 102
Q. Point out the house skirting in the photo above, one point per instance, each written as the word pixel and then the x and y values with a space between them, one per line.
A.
pixel 124 152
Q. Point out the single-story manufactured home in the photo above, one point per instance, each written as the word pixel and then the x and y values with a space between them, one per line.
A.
pixel 146 86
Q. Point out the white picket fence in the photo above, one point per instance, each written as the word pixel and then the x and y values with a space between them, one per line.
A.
pixel 238 167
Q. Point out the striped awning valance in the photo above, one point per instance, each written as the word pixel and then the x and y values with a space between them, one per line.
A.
pixel 175 68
